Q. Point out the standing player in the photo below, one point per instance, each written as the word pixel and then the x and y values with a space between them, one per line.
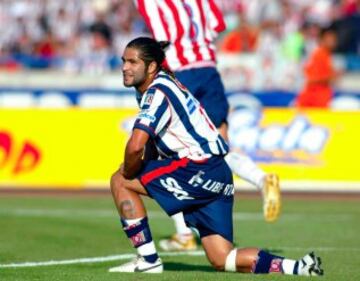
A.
pixel 191 27
pixel 192 176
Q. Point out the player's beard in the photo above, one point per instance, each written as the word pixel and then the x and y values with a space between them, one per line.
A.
pixel 135 79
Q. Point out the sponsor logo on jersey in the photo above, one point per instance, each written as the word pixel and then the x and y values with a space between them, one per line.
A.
pixel 144 115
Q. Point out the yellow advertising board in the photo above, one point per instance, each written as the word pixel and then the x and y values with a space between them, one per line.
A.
pixel 61 148
pixel 308 149
pixel 81 148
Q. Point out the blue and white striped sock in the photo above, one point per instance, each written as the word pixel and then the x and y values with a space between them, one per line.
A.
pixel 138 231
pixel 269 263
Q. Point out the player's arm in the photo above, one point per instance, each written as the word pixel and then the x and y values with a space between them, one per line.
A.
pixel 153 117
pixel 134 153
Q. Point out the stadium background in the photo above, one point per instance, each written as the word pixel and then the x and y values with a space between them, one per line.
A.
pixel 65 118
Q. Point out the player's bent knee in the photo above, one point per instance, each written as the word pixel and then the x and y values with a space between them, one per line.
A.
pixel 218 264
pixel 225 262
pixel 217 249
pixel 218 261
pixel 117 182
pixel 230 262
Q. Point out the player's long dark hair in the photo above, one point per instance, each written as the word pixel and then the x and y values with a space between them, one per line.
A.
pixel 151 50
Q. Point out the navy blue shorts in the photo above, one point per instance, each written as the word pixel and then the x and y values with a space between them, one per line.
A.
pixel 202 191
pixel 206 85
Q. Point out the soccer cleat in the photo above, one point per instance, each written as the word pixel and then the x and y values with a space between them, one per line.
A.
pixel 271 198
pixel 310 265
pixel 139 264
pixel 176 243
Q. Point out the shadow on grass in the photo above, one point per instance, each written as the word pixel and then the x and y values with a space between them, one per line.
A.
pixel 177 266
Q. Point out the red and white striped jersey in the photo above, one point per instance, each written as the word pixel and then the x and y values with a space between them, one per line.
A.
pixel 190 25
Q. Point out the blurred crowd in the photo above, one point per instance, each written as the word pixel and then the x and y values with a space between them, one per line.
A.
pixel 288 27
pixel 71 35
pixel 90 35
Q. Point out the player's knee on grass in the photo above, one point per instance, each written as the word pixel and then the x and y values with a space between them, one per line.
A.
pixel 226 260
pixel 218 258
pixel 218 262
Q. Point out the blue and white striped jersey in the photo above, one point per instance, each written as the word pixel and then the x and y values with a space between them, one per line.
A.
pixel 176 121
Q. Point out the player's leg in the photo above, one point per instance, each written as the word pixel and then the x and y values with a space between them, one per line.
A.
pixel 268 184
pixel 126 195
pixel 224 257
pixel 242 165
pixel 182 240
pixel 215 225
pixel 218 249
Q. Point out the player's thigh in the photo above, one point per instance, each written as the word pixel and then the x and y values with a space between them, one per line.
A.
pixel 217 249
pixel 136 186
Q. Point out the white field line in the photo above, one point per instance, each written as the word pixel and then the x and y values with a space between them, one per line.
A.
pixel 162 254
pixel 96 259
pixel 83 213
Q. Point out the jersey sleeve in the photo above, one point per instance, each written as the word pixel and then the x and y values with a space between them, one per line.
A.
pixel 154 113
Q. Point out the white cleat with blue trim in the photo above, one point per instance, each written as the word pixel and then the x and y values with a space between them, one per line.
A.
pixel 139 264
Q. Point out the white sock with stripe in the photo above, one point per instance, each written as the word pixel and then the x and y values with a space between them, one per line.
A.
pixel 245 168
pixel 290 267
pixel 181 229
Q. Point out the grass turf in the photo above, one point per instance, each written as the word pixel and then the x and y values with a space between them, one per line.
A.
pixel 44 228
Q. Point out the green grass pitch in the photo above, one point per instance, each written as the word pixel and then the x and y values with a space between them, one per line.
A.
pixel 62 228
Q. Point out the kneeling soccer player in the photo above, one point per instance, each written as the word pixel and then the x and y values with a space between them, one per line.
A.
pixel 191 175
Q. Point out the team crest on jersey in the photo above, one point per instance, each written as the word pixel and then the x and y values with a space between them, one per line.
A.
pixel 148 98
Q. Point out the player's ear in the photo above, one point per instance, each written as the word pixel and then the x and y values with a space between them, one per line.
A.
pixel 152 67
